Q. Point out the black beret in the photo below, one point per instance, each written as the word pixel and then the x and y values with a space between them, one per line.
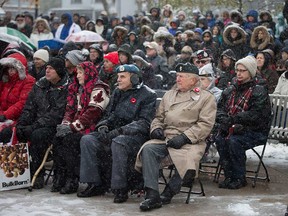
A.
pixel 187 68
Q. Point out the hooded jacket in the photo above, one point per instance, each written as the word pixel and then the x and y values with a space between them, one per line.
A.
pixel 14 89
pixel 257 44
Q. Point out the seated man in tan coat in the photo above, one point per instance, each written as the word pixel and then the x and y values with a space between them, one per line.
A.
pixel 183 120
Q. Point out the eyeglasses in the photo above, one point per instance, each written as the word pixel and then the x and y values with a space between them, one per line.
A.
pixel 240 70
pixel 201 61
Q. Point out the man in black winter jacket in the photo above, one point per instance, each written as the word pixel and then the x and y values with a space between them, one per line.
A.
pixel 118 138
pixel 43 111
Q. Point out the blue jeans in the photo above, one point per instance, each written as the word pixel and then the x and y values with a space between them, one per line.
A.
pixel 232 151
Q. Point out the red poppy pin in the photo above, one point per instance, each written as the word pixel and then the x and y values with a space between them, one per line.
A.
pixel 133 100
pixel 196 90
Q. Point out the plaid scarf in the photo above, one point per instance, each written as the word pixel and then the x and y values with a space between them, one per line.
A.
pixel 241 104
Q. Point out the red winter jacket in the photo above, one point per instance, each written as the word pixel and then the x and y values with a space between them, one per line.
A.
pixel 14 89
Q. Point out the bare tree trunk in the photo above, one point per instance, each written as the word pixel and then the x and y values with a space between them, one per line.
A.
pixel 106 6
pixel 3 2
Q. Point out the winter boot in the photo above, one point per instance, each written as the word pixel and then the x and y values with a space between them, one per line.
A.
pixel 225 183
pixel 121 195
pixel 167 195
pixel 188 178
pixel 237 183
pixel 39 182
pixel 152 200
pixel 59 181
pixel 71 186
pixel 92 190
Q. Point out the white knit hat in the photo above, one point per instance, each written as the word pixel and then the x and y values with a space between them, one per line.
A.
pixel 42 54
pixel 250 63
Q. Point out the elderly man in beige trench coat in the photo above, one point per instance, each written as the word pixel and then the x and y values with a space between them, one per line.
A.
pixel 183 120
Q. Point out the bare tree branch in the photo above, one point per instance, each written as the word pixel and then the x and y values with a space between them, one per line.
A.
pixel 3 2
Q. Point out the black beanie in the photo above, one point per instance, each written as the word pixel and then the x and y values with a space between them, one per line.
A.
pixel 59 66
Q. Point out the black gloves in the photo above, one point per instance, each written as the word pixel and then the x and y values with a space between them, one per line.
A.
pixel 158 133
pixel 225 124
pixel 24 132
pixel 178 141
pixel 63 130
pixel 6 135
pixel 106 137
pixel 2 118
pixel 238 129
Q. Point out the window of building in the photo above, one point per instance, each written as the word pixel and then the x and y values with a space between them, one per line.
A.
pixel 76 1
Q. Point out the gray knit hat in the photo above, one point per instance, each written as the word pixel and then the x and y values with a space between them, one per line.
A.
pixel 250 63
pixel 75 57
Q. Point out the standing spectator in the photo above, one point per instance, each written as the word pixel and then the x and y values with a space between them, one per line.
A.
pixel 266 20
pixel 82 21
pixel 280 26
pixel 133 41
pixel 67 27
pixel 234 38
pixel 177 134
pixel 15 85
pixel 87 99
pixel 107 72
pixel 167 15
pixel 43 111
pixel 96 55
pixel 227 68
pixel 119 136
pixel 226 17
pixel 282 85
pixel 251 20
pixel 236 18
pixel 22 26
pixel 181 16
pixel 261 39
pixel 264 69
pixel 119 36
pixel 239 111
pixel 41 31
pixel 217 35
pixel 40 59
pixel 100 28
pixel 210 19
pixel 90 26
pixel 209 44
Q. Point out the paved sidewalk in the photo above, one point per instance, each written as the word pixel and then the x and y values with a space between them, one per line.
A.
pixel 264 200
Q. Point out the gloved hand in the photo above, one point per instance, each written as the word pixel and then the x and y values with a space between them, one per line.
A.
pixel 158 133
pixel 6 135
pixel 24 132
pixel 178 141
pixel 238 129
pixel 225 124
pixel 106 138
pixel 63 130
pixel 103 129
pixel 2 118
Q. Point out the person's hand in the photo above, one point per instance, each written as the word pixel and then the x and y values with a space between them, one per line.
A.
pixel 238 129
pixel 178 141
pixel 63 130
pixel 23 133
pixel 106 137
pixel 103 129
pixel 114 133
pixel 2 118
pixel 158 133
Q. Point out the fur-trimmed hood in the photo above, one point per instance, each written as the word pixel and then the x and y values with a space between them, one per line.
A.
pixel 163 34
pixel 120 28
pixel 235 14
pixel 241 38
pixel 17 61
pixel 47 27
pixel 254 43
pixel 262 13
pixel 147 28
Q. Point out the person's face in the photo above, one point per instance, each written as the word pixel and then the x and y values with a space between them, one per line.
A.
pixel 260 60
pixel 20 21
pixel 38 62
pixel 284 56
pixel 90 27
pixel 82 20
pixel 11 71
pixel 150 52
pixel 201 62
pixel 205 82
pixel 206 37
pixel 226 61
pixel 64 20
pixel 260 35
pixel 250 19
pixel 93 54
pixel 181 17
pixel 70 67
pixel 40 26
pixel 107 64
pixel 123 58
pixel 123 81
pixel 233 33
pixel 75 18
pixel 132 37
pixel 185 81
pixel 242 74
pixel 51 75
pixel 80 76
pixel 215 31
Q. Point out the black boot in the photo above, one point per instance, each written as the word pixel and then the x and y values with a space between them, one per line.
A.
pixel 121 195
pixel 92 190
pixel 225 183
pixel 71 186
pixel 59 181
pixel 39 182
pixel 152 200
pixel 188 178
pixel 167 195
pixel 237 183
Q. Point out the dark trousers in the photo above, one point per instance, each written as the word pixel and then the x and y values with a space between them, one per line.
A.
pixel 39 142
pixel 66 155
pixel 232 151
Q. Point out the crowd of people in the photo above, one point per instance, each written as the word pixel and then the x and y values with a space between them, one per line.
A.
pixel 97 106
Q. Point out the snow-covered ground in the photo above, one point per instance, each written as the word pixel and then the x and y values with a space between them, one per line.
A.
pixel 267 199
